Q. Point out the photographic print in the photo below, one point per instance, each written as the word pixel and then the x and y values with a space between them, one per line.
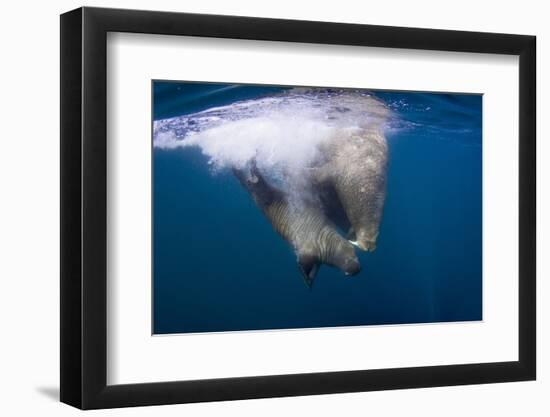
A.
pixel 290 207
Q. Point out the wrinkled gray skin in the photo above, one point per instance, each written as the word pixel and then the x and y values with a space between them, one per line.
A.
pixel 355 169
pixel 306 228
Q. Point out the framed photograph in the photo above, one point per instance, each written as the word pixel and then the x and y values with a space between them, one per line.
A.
pixel 258 208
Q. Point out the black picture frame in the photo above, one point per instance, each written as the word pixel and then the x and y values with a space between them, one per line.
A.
pixel 84 207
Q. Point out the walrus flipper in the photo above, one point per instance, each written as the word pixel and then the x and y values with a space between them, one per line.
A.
pixel 309 267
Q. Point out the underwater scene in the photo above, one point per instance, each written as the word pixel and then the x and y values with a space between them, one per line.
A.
pixel 285 207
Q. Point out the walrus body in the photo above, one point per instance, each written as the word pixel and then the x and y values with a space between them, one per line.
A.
pixel 356 169
pixel 304 226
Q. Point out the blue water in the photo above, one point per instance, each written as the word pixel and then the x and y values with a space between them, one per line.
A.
pixel 219 265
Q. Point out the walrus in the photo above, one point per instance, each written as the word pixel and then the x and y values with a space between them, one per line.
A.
pixel 356 171
pixel 305 227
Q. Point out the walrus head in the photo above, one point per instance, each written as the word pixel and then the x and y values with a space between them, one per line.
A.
pixel 345 259
pixel 364 240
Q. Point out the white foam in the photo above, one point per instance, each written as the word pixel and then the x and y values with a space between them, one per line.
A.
pixel 282 132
